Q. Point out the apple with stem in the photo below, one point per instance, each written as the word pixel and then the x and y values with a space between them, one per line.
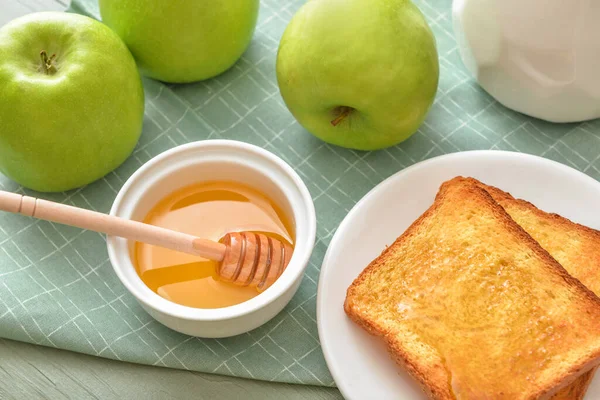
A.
pixel 71 101
pixel 360 74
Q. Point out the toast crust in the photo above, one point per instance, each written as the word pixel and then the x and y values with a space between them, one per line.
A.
pixel 577 389
pixel 582 263
pixel 426 364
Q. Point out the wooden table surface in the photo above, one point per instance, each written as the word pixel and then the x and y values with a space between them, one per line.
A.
pixel 35 372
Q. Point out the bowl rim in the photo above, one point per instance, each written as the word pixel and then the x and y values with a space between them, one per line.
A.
pixel 284 283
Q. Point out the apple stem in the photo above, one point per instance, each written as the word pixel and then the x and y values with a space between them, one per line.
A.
pixel 343 113
pixel 47 64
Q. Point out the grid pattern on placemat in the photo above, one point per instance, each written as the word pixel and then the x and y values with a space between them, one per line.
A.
pixel 57 287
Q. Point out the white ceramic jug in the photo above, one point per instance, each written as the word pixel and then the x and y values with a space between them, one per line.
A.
pixel 538 57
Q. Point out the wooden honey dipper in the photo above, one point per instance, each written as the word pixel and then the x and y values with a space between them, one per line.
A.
pixel 245 258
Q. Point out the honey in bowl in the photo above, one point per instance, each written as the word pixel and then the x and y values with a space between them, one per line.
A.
pixel 207 210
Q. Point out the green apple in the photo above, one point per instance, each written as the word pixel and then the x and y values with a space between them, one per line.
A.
pixel 358 73
pixel 183 40
pixel 71 101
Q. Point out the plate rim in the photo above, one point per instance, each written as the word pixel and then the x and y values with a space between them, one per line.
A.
pixel 380 186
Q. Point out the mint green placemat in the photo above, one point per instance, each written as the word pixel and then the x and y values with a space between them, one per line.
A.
pixel 57 287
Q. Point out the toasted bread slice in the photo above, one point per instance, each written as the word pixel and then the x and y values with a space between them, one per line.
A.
pixel 574 246
pixel 474 308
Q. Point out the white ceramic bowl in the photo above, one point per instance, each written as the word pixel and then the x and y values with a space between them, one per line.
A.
pixel 208 161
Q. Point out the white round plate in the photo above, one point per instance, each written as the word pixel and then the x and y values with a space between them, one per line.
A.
pixel 359 363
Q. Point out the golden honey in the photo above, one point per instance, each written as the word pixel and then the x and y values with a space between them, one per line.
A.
pixel 208 210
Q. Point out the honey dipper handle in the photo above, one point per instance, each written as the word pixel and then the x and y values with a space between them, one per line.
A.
pixel 111 225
